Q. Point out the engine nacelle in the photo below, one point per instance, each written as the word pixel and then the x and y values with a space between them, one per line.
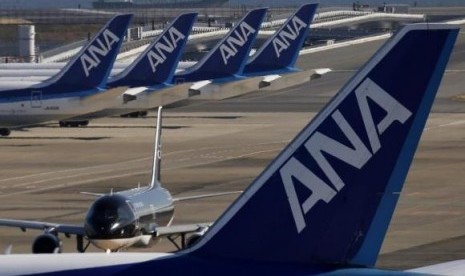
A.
pixel 195 237
pixel 4 132
pixel 47 243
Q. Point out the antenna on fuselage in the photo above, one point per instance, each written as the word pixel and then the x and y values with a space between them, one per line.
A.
pixel 155 182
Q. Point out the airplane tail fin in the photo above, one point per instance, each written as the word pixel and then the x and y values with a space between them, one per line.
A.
pixel 330 194
pixel 282 49
pixel 158 62
pixel 228 57
pixel 91 67
pixel 156 177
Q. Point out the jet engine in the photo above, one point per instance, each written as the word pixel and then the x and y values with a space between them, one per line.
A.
pixel 195 237
pixel 4 132
pixel 47 243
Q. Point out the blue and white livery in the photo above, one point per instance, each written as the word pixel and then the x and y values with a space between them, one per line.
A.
pixel 322 207
pixel 276 59
pixel 223 64
pixel 229 56
pixel 273 60
pixel 78 88
pixel 151 72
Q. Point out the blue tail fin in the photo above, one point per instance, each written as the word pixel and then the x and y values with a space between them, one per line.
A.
pixel 158 62
pixel 91 67
pixel 329 196
pixel 229 55
pixel 282 49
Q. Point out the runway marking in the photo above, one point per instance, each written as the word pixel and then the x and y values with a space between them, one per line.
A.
pixel 125 162
pixel 455 123
pixel 32 189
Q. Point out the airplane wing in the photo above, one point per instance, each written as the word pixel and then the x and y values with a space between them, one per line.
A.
pixel 68 229
pixel 187 233
pixel 204 196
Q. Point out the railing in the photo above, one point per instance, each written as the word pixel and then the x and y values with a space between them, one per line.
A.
pixel 345 43
pixel 321 20
pixel 367 16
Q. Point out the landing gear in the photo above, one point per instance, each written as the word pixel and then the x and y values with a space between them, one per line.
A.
pixel 4 132
pixel 137 114
pixel 73 123
pixel 80 244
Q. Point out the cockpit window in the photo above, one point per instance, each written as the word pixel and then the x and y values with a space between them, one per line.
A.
pixel 110 215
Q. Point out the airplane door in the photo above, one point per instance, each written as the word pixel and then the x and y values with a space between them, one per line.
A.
pixel 36 99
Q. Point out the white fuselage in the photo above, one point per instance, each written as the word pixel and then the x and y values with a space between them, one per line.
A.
pixel 32 112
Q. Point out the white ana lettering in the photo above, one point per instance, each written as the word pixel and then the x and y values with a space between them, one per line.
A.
pixel 159 51
pixel 236 40
pixel 394 111
pixel 288 34
pixel 355 155
pixel 320 190
pixel 91 58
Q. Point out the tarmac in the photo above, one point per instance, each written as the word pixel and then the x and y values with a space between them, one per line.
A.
pixel 222 146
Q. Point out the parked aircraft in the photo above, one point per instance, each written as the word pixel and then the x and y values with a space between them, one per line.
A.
pixel 155 67
pixel 274 59
pixel 120 219
pixel 166 90
pixel 78 88
pixel 277 55
pixel 323 206
pixel 228 57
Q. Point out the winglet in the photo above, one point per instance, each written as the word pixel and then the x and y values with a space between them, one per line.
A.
pixel 91 67
pixel 156 178
pixel 158 62
pixel 228 57
pixel 329 196
pixel 281 50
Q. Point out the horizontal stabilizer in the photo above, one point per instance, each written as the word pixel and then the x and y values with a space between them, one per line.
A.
pixel 277 82
pixel 107 98
pixel 92 194
pixel 205 196
pixel 168 95
pixel 213 91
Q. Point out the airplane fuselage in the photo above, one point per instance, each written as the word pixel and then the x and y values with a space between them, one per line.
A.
pixel 128 218
pixel 25 107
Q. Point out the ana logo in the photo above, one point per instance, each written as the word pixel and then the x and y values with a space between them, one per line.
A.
pixel 165 45
pixel 236 40
pixel 91 58
pixel 287 35
pixel 356 155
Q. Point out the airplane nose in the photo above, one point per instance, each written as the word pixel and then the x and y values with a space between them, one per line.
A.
pixel 110 217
